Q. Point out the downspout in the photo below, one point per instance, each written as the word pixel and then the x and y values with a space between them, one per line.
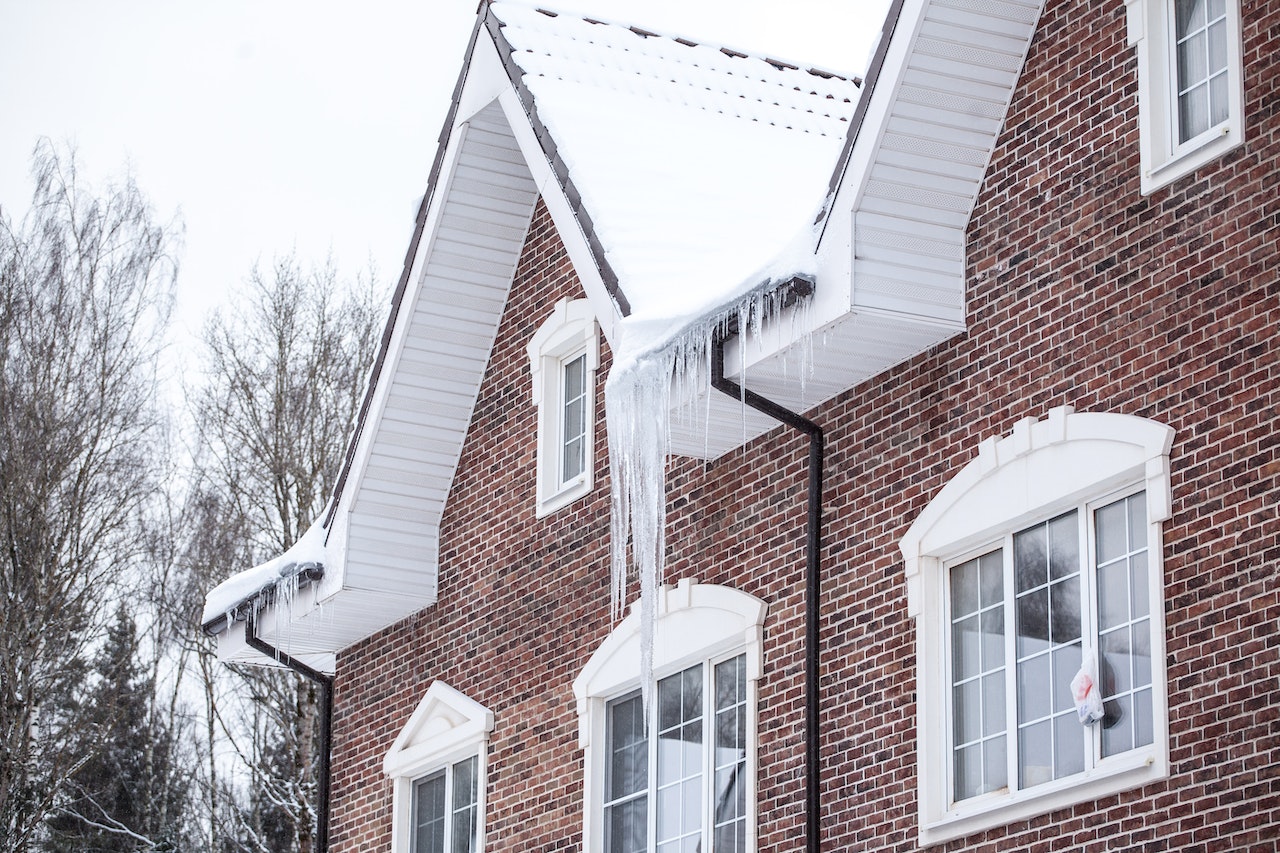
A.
pixel 812 577
pixel 325 684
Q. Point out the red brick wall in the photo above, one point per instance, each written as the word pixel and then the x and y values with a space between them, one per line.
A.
pixel 1081 292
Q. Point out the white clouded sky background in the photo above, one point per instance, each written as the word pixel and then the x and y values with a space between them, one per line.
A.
pixel 306 126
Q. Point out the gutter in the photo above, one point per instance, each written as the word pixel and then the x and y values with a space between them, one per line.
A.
pixel 325 684
pixel 813 545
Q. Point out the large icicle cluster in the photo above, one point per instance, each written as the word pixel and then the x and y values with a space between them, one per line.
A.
pixel 640 396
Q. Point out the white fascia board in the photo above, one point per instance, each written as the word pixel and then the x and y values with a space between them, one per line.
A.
pixel 835 249
pixel 562 214
pixel 234 648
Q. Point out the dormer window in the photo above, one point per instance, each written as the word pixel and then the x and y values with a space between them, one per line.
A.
pixel 563 357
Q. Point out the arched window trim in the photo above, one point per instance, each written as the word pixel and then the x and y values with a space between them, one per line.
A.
pixel 1042 468
pixel 695 622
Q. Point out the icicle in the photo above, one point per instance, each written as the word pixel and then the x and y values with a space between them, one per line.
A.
pixel 638 398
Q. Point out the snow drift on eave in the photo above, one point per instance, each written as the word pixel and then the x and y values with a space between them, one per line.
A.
pixel 280 574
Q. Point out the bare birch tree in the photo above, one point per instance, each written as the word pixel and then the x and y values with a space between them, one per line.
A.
pixel 284 377
pixel 85 287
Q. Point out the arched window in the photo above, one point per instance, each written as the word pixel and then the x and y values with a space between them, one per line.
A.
pixel 684 778
pixel 1039 560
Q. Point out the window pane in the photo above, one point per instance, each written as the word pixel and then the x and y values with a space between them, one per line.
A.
pixel 1034 688
pixel 1192 56
pixel 463 838
pixel 968 712
pixel 1218 104
pixel 968 770
pixel 1189 15
pixel 1113 595
pixel 1217 47
pixel 1066 663
pixel 1112 532
pixel 1033 622
pixel 1117 725
pixel 964 589
pixel 1064 546
pixel 1064 611
pixel 992 578
pixel 1035 754
pixel 993 639
pixel 1029 564
pixel 993 716
pixel 1068 746
pixel 966 648
pixel 1193 113
pixel 626 829
pixel 628 769
pixel 575 377
pixel 429 814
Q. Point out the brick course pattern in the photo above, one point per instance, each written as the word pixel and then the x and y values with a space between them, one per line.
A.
pixel 1080 291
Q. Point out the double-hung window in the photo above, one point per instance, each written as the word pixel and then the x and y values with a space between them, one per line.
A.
pixel 445 809
pixel 1040 561
pixel 682 777
pixel 563 359
pixel 680 780
pixel 1190 84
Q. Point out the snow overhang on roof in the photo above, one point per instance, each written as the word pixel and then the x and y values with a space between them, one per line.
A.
pixel 682 179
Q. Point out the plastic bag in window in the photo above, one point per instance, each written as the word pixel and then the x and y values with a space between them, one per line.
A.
pixel 1087 695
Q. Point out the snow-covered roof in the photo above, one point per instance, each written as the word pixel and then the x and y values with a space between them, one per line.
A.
pixel 697 166
pixel 684 181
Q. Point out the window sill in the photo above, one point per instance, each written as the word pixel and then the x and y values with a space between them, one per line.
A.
pixel 1191 155
pixel 567 495
pixel 1119 774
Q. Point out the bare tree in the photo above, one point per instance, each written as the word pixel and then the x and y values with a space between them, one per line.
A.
pixel 85 288
pixel 284 376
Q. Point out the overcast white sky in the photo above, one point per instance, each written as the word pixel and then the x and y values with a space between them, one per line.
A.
pixel 273 126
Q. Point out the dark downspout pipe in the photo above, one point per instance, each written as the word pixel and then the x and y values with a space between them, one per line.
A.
pixel 325 683
pixel 813 578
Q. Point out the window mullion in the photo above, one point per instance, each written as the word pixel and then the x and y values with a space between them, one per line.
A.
pixel 1012 732
pixel 708 756
pixel 1089 631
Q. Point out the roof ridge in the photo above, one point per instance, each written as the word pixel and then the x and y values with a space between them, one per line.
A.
pixel 776 62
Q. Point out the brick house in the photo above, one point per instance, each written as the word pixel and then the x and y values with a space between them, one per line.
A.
pixel 1037 322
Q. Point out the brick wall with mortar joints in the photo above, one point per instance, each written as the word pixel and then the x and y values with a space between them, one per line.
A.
pixel 1082 292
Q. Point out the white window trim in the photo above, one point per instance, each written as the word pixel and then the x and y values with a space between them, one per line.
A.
pixel 695 622
pixel 445 728
pixel 1043 467
pixel 569 332
pixel 1163 158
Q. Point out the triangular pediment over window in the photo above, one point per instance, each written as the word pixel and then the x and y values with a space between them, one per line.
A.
pixel 444 722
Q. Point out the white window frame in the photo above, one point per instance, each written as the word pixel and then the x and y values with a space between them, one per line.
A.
pixel 570 332
pixel 1163 158
pixel 695 623
pixel 1044 468
pixel 446 728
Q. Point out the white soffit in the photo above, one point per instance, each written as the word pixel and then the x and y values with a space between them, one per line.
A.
pixel 891 268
